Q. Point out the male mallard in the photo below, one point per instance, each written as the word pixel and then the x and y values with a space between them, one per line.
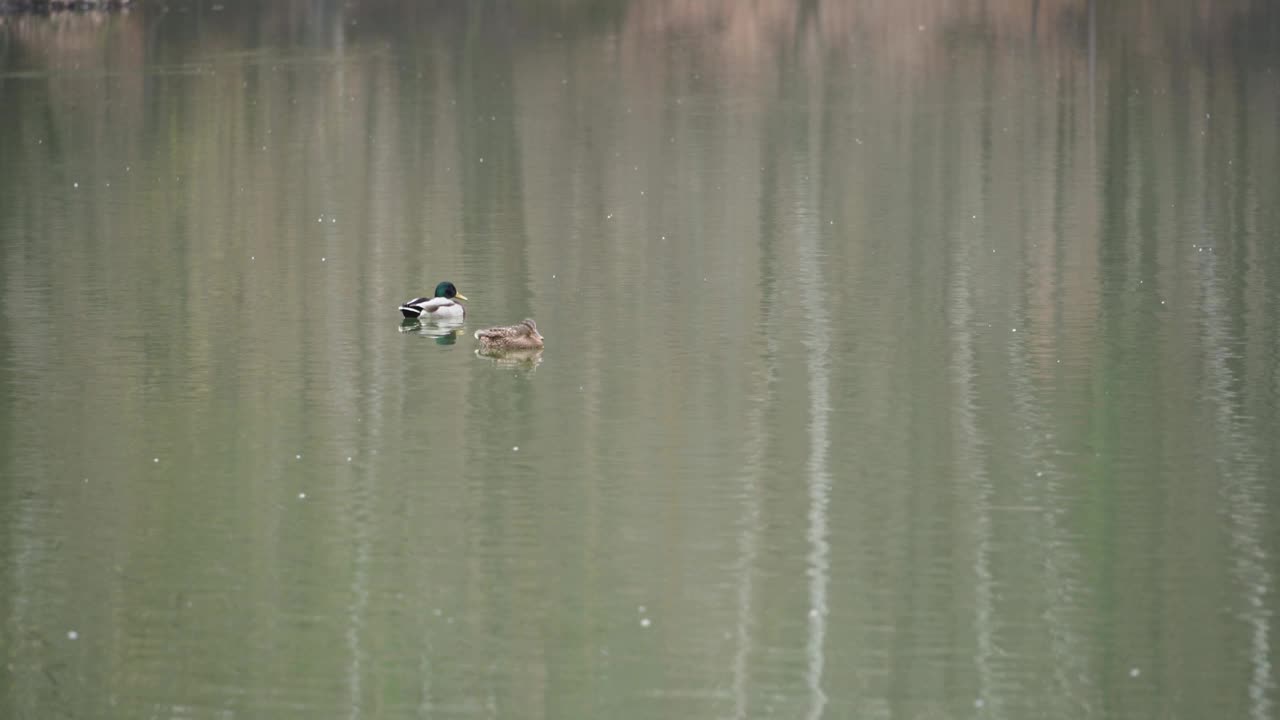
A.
pixel 522 336
pixel 440 306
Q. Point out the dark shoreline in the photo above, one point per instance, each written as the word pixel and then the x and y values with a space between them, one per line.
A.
pixel 42 7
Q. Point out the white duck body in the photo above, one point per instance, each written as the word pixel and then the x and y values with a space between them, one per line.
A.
pixel 441 307
pixel 436 308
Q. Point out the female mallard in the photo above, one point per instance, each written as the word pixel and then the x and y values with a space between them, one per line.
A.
pixel 438 307
pixel 522 336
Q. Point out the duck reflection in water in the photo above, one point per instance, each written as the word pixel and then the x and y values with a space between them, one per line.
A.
pixel 512 359
pixel 443 331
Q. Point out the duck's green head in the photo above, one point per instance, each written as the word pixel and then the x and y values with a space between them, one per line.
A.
pixel 447 290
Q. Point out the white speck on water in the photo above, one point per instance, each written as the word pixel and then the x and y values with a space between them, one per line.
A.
pixel 437 612
pixel 1134 672
pixel 302 496
pixel 858 140
pixel 320 219
pixel 979 703
pixel 813 613
pixel 644 622
pixel 72 635
pixel 1013 329
pixel 920 28
pixel 333 221
pixel 86 479
pixel 155 459
pixel 298 456
pixel 975 217
pixel 640 609
pixel 481 159
pixel 515 448
pixel 253 257
pixel 324 259
pixel 108 183
pixel 1039 473
pixel 609 216
pixel 75 185
pixel 348 458
pixel 553 276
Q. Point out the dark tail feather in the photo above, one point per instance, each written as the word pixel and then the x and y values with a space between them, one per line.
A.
pixel 410 311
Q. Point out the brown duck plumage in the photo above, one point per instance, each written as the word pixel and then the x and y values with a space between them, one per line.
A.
pixel 522 336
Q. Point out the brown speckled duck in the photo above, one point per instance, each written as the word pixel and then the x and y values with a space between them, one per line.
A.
pixel 521 336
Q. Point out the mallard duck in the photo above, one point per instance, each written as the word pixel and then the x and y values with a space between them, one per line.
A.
pixel 522 336
pixel 440 306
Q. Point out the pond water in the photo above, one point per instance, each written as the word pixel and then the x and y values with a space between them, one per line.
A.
pixel 909 360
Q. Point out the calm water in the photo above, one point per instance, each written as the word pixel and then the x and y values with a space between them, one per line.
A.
pixel 902 362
